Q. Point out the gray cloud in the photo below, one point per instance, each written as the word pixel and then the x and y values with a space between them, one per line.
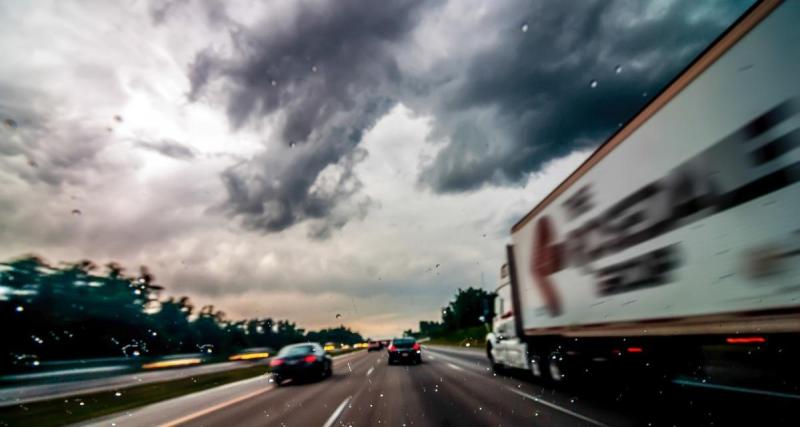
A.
pixel 326 77
pixel 503 109
pixel 169 148
pixel 528 99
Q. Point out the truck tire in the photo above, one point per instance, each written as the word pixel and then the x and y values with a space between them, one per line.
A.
pixel 497 368
pixel 555 368
pixel 535 365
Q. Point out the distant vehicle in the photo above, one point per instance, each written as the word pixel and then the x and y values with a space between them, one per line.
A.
pixel 657 267
pixel 404 350
pixel 306 361
pixel 330 346
pixel 374 346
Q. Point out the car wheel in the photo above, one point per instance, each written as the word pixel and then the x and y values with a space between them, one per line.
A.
pixel 329 371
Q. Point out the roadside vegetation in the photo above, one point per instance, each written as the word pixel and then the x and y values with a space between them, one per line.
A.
pixel 464 320
pixel 81 310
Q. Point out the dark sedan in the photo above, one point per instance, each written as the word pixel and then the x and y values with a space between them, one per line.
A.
pixel 404 350
pixel 305 361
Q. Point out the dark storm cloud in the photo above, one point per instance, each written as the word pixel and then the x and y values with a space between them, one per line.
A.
pixel 169 148
pixel 529 98
pixel 326 77
pixel 503 108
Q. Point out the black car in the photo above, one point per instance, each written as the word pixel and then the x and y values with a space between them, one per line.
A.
pixel 404 350
pixel 305 361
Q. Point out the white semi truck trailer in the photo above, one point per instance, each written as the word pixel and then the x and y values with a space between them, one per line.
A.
pixel 674 249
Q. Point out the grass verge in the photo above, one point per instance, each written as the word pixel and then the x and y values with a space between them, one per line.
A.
pixel 79 408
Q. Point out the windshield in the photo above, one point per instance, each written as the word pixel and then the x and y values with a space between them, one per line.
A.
pixel 471 212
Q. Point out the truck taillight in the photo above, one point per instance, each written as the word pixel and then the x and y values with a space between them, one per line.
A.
pixel 745 340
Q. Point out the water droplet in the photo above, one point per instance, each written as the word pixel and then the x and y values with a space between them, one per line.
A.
pixel 10 123
pixel 524 27
pixel 593 84
pixel 314 69
pixel 118 118
pixel 292 144
pixel 381 394
pixel 76 212
pixel 32 163
pixel 644 94
pixel 273 83
pixel 338 316
pixel 20 309
pixel 618 69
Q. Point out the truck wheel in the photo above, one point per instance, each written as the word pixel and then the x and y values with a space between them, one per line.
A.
pixel 535 366
pixel 497 368
pixel 555 368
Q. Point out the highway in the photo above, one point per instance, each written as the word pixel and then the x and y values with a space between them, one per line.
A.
pixel 452 387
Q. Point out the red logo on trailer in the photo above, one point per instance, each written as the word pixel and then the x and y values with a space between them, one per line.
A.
pixel 546 260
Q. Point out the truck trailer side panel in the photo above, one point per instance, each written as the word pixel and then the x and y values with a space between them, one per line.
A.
pixel 694 218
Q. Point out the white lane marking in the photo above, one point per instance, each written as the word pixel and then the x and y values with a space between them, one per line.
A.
pixel 369 372
pixel 431 358
pixel 557 408
pixel 456 367
pixel 216 407
pixel 337 412
pixel 736 389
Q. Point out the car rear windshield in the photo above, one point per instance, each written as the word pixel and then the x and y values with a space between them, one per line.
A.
pixel 296 350
pixel 403 342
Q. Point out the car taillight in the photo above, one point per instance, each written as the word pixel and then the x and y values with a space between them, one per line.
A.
pixel 392 348
pixel 416 346
pixel 276 362
pixel 310 359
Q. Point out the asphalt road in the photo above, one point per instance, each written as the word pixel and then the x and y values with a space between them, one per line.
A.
pixel 451 388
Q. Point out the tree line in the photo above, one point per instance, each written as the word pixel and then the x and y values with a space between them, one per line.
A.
pixel 469 308
pixel 82 310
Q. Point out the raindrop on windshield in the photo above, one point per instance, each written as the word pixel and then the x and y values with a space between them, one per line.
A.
pixel 273 83
pixel 76 212
pixel 618 69
pixel 20 309
pixel 118 118
pixel 314 68
pixel 10 123
pixel 292 144
pixel 338 316
pixel 524 28
pixel 206 348
pixel 32 163
pixel 593 84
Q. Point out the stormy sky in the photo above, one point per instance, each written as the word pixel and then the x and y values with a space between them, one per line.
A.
pixel 299 159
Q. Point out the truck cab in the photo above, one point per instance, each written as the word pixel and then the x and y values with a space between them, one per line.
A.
pixel 504 347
